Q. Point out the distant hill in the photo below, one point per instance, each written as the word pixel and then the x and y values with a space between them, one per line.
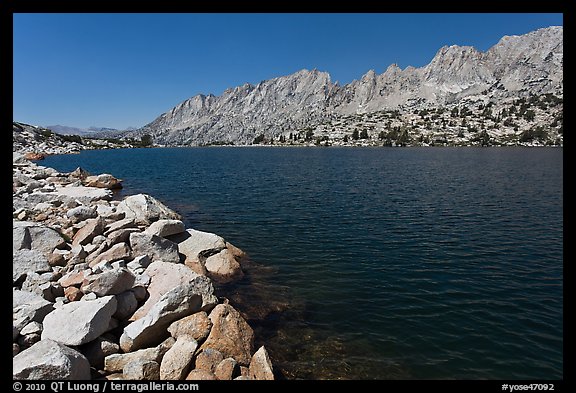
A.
pixel 94 132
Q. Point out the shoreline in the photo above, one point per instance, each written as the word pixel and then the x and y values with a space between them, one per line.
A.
pixel 131 286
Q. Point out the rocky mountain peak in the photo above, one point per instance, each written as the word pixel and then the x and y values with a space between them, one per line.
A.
pixel 516 66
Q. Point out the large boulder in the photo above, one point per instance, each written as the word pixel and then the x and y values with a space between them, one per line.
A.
pixel 165 228
pixel 103 180
pixel 28 307
pixel 225 369
pixel 151 328
pixel 142 370
pixel 176 362
pixel 33 236
pixel 111 282
pixel 208 359
pixel 45 239
pixel 116 362
pixel 20 235
pixel 120 235
pixel 115 253
pixel 223 267
pixel 260 365
pixel 85 195
pixel 89 231
pixel 47 360
pixel 156 247
pixel 77 323
pixel 230 334
pixel 81 213
pixel 197 326
pixel 145 209
pixel 127 304
pixel 24 261
pixel 196 246
pixel 120 224
pixel 166 276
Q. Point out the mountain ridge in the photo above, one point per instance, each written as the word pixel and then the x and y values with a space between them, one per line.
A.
pixel 517 66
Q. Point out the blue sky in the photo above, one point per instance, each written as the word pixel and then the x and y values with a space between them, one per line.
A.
pixel 121 70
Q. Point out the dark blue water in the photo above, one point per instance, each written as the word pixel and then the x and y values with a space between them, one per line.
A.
pixel 378 263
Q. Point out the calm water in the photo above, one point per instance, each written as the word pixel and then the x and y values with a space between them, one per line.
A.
pixel 378 263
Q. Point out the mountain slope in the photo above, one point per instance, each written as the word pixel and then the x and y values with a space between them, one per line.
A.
pixel 517 66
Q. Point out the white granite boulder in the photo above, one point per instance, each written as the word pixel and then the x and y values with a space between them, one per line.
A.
pixel 50 360
pixel 145 209
pixel 80 322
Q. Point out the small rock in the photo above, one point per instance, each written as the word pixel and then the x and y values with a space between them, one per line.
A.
pixel 196 245
pixel 200 375
pixel 157 248
pixel 223 267
pixel 93 228
pixel 116 362
pixel 197 325
pixel 120 224
pixel 165 228
pixel 176 362
pixel 28 340
pixel 97 350
pixel 119 264
pixel 73 294
pixel 208 359
pixel 56 259
pixel 116 252
pixel 103 180
pixel 98 240
pixel 141 261
pixel 121 235
pixel 127 304
pixel 83 194
pixel 140 293
pixel 111 282
pixel 225 369
pixel 73 278
pixel 142 370
pixel 81 213
pixel 32 328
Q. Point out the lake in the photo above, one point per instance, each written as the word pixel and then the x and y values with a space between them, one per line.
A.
pixel 378 263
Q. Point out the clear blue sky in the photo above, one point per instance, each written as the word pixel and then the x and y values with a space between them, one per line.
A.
pixel 121 70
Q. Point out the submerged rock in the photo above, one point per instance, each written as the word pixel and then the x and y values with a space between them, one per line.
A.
pixel 230 334
pixel 260 365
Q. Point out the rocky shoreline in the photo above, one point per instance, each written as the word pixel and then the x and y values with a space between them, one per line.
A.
pixel 107 289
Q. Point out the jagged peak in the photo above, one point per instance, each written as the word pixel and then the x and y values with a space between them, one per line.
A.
pixel 371 74
pixel 291 100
